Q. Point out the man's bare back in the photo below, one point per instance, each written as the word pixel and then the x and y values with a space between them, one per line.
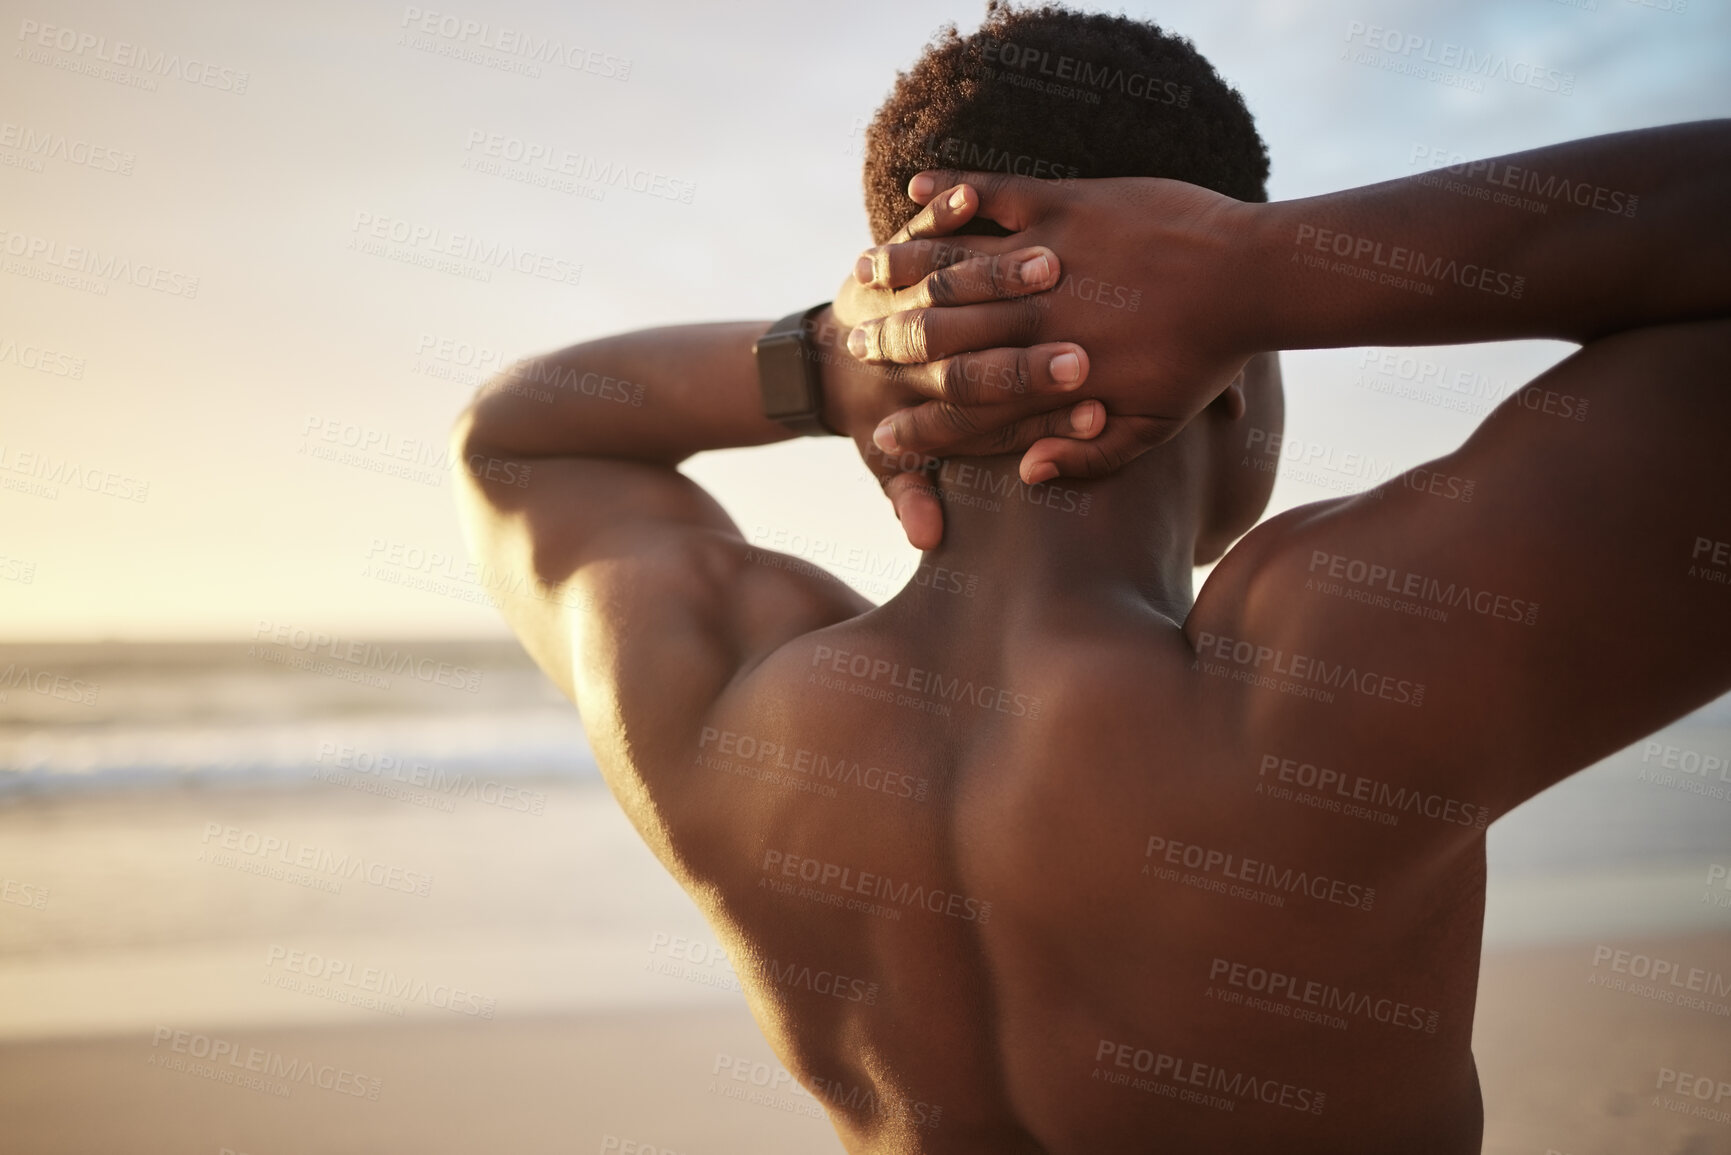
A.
pixel 1077 932
pixel 1014 862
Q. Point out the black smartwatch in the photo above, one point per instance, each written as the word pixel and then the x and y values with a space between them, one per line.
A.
pixel 787 372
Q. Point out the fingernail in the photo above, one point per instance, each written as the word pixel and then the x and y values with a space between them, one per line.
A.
pixel 862 270
pixel 857 343
pixel 1045 471
pixel 920 187
pixel 958 198
pixel 1067 369
pixel 1083 416
pixel 1034 271
pixel 884 437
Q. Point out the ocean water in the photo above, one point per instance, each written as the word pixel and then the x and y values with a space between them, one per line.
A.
pixel 434 716
pixel 442 717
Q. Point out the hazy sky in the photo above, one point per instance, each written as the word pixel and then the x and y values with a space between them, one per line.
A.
pixel 198 284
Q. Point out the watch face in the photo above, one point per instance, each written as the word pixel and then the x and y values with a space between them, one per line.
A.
pixel 781 370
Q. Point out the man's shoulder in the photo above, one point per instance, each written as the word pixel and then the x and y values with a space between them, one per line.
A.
pixel 1234 591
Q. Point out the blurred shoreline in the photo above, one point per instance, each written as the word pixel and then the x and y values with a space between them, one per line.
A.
pixel 291 706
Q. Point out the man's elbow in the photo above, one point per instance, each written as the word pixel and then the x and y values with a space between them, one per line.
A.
pixel 464 444
pixel 480 463
pixel 484 426
pixel 506 420
pixel 477 426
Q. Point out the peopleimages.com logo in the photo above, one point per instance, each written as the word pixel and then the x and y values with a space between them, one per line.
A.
pixel 94 55
pixel 1431 59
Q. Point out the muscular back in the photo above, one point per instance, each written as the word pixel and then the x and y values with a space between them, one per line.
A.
pixel 1021 889
pixel 1100 882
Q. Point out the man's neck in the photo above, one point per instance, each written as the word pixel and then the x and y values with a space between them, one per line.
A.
pixel 1012 547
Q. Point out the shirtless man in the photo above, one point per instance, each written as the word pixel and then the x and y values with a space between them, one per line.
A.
pixel 1053 835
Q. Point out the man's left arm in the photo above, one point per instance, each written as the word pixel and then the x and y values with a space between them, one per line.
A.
pixel 625 581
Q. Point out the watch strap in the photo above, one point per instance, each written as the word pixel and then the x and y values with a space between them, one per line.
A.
pixel 788 374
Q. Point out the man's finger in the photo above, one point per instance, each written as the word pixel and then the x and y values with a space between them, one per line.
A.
pixel 941 216
pixel 1078 422
pixel 939 429
pixel 1034 379
pixel 898 265
pixel 1122 441
pixel 916 505
pixel 1015 202
pixel 987 278
pixel 915 335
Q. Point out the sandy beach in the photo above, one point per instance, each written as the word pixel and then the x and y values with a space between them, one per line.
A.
pixel 552 991
pixel 538 1086
pixel 1570 1066
pixel 540 996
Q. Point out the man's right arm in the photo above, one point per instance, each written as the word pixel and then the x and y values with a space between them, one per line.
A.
pixel 1553 590
pixel 1631 233
pixel 1573 241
